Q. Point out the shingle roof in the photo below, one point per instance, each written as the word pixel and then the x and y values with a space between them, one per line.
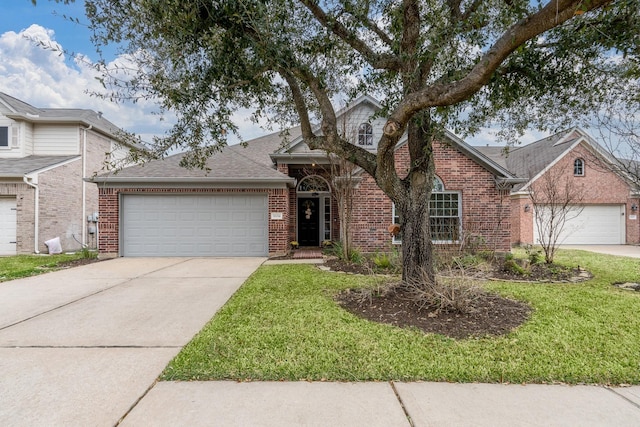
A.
pixel 226 166
pixel 13 167
pixel 24 111
pixel 260 148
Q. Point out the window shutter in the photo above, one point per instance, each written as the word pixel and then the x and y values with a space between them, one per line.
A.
pixel 15 135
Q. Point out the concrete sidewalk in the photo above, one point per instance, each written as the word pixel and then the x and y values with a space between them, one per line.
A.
pixel 383 404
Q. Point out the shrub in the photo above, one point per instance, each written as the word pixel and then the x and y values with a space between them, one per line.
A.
pixel 456 293
pixel 534 255
pixel 381 261
pixel 356 256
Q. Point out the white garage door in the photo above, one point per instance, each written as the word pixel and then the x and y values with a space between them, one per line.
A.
pixel 194 225
pixel 7 226
pixel 596 225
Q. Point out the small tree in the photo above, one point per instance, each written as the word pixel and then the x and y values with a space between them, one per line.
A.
pixel 343 185
pixel 556 199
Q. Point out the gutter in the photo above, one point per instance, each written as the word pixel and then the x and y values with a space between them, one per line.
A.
pixel 84 185
pixel 189 180
pixel 36 219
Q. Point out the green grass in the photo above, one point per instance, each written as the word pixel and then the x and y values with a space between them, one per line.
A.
pixel 14 267
pixel 283 325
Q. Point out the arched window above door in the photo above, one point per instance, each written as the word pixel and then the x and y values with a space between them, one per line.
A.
pixel 313 184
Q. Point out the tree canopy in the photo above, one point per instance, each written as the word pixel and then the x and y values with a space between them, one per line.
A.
pixel 434 64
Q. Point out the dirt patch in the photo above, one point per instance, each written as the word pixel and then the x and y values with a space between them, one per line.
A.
pixel 348 267
pixel 543 273
pixel 78 262
pixel 490 314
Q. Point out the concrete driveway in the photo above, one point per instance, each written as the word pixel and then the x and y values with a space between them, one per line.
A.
pixel 632 251
pixel 81 346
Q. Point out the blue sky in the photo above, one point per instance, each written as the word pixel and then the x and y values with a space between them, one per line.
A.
pixel 18 15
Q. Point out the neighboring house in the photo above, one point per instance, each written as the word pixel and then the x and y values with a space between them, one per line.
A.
pixel 609 200
pixel 44 155
pixel 255 200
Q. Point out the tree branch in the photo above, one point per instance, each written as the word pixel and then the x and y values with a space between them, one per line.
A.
pixel 379 61
pixel 444 94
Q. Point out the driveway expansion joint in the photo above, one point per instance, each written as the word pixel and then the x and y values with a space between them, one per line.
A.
pixel 64 305
pixel 623 396
pixel 404 408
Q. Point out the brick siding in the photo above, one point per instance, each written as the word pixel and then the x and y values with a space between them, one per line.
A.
pixel 601 186
pixel 485 210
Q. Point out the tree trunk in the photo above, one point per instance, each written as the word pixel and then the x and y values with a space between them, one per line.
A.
pixel 417 249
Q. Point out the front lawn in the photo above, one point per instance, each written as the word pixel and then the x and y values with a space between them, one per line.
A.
pixel 14 267
pixel 284 325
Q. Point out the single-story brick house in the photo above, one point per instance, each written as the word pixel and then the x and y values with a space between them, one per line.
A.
pixel 44 155
pixel 255 200
pixel 609 201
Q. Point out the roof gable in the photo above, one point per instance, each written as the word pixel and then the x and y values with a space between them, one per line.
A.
pixel 362 109
pixel 531 161
pixel 20 110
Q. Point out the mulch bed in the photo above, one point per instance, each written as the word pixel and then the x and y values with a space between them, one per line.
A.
pixel 490 314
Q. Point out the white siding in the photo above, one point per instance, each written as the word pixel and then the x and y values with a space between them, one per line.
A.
pixel 56 140
pixel 363 113
pixel 27 139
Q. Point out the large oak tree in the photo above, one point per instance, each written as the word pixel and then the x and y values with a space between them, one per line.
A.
pixel 435 64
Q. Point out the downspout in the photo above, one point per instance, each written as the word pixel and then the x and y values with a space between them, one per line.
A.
pixel 36 219
pixel 84 187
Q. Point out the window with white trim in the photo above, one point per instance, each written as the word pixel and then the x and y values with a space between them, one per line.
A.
pixel 445 214
pixel 365 134
pixel 578 167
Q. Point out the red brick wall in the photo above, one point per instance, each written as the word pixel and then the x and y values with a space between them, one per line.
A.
pixel 278 201
pixel 485 210
pixel 601 186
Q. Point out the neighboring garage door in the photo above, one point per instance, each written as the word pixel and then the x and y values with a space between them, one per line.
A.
pixel 7 226
pixel 194 225
pixel 596 225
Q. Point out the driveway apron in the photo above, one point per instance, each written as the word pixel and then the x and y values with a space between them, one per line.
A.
pixel 81 346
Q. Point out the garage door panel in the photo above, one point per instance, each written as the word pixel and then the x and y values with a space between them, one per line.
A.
pixel 595 224
pixel 194 225
pixel 8 226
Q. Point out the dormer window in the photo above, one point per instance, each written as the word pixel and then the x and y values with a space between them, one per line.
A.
pixel 578 167
pixel 365 134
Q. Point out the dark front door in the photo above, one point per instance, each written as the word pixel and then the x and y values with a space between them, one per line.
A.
pixel 309 221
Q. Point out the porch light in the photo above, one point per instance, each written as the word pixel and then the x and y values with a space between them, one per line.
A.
pixel 634 207
pixel 527 208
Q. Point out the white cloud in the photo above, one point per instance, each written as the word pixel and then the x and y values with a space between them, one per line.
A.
pixel 46 78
